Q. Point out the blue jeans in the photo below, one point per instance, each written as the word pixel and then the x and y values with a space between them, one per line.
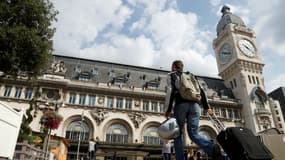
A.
pixel 191 112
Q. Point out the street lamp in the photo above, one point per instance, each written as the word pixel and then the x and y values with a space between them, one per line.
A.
pixel 47 109
pixel 79 138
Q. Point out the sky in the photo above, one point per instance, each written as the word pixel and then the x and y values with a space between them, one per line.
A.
pixel 153 33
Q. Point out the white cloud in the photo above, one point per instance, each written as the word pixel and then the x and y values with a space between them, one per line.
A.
pixel 163 34
pixel 79 22
pixel 269 24
pixel 122 49
pixel 215 3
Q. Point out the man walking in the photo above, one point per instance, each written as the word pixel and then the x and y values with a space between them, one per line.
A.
pixel 189 110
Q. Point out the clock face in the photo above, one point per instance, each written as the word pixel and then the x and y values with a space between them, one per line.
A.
pixel 246 47
pixel 225 53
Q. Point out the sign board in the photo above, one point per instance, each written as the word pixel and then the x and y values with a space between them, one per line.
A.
pixel 10 123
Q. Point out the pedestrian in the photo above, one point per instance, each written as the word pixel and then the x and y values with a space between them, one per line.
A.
pixel 166 150
pixel 92 149
pixel 147 157
pixel 114 156
pixel 198 156
pixel 190 110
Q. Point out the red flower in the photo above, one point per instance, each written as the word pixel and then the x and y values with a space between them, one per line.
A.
pixel 51 119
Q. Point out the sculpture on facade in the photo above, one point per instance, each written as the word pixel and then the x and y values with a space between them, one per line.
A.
pixel 137 118
pixel 99 115
pixel 58 67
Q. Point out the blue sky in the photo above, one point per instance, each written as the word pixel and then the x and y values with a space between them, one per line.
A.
pixel 153 33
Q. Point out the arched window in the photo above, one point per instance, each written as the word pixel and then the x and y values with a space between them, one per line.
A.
pixel 117 133
pixel 259 102
pixel 150 136
pixel 76 129
pixel 259 97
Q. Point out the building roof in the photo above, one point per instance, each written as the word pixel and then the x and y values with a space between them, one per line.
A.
pixel 95 71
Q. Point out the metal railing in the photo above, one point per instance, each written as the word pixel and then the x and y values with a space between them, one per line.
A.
pixel 24 151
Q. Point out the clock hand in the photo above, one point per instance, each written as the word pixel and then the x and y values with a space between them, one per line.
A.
pixel 245 46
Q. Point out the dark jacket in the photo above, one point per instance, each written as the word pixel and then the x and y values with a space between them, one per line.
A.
pixel 173 95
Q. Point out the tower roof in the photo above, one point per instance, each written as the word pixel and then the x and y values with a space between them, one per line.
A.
pixel 228 18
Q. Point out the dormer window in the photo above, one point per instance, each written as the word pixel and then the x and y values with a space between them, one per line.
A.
pixel 94 71
pixel 143 77
pixel 119 80
pixel 153 84
pixel 111 73
pixel 84 76
pixel 77 69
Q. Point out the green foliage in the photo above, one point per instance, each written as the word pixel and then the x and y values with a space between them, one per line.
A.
pixel 25 129
pixel 25 36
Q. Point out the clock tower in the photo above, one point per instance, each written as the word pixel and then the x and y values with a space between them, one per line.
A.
pixel 241 67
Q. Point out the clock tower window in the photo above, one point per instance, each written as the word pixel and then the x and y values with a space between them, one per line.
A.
pixel 257 80
pixel 249 79
pixel 253 79
pixel 235 82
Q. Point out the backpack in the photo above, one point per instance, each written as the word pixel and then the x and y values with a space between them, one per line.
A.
pixel 188 87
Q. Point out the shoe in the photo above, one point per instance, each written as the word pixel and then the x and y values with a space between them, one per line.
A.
pixel 216 153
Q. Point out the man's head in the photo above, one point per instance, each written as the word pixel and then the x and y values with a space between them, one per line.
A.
pixel 177 65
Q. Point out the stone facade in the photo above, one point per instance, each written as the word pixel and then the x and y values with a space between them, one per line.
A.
pixel 121 106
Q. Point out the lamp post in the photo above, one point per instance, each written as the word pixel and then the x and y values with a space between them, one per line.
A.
pixel 47 109
pixel 79 138
pixel 47 146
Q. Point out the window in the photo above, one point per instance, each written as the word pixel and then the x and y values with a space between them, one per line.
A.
pixel 7 91
pixel 18 92
pixel 84 76
pixel 82 99
pixel 224 113
pixel 232 86
pixel 249 79
pixel 150 136
pixel 257 80
pixel 76 129
pixel 91 100
pixel 72 98
pixel 259 102
pixel 230 113
pixel 110 102
pixel 117 133
pixel 119 103
pixel 161 107
pixel 236 115
pixel 128 104
pixel 217 111
pixel 253 79
pixel 235 83
pixel 145 106
pixel 28 93
pixel 153 106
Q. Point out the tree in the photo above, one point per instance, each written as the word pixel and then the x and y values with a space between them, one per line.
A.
pixel 26 36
